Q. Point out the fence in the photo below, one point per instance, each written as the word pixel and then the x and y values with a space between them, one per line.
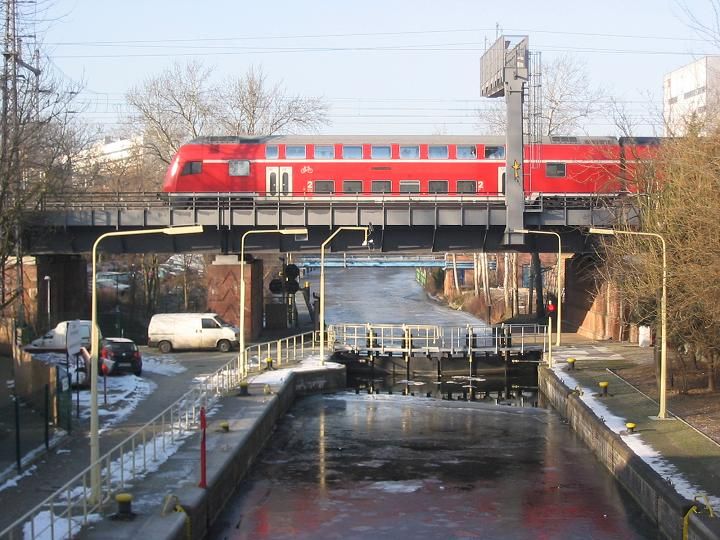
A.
pixel 73 506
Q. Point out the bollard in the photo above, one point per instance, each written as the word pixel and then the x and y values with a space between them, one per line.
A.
pixel 631 427
pixel 124 502
pixel 244 388
pixel 268 363
pixel 225 426
pixel 357 390
pixel 604 386
pixel 429 394
pixel 571 363
pixel 267 390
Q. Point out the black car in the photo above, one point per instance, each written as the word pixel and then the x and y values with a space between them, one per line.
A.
pixel 120 354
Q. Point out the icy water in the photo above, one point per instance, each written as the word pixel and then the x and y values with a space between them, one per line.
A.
pixel 392 466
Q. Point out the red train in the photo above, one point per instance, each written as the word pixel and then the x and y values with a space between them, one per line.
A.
pixel 394 167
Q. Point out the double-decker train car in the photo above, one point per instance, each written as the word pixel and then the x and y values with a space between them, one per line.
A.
pixel 318 167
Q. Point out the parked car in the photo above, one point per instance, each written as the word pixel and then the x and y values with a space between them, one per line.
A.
pixel 56 339
pixel 168 331
pixel 120 354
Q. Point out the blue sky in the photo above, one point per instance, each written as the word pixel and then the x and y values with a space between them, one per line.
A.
pixel 393 66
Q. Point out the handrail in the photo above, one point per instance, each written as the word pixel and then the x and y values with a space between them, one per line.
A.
pixel 135 455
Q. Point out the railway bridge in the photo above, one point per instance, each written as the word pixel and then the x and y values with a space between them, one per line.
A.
pixel 62 232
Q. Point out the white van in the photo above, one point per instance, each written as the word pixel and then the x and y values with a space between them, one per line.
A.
pixel 57 338
pixel 168 331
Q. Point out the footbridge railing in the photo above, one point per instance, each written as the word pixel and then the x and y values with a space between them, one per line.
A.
pixel 428 339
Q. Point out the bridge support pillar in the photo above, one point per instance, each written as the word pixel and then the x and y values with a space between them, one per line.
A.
pixel 63 295
pixel 224 292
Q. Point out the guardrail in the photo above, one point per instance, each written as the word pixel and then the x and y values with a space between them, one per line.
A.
pixel 408 338
pixel 71 507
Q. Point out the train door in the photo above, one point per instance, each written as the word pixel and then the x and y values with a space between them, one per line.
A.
pixel 278 181
pixel 501 180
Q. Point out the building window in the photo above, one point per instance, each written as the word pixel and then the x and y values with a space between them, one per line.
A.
pixel 295 152
pixel 410 186
pixel 380 152
pixel 352 152
pixel 673 100
pixel 191 167
pixel 494 152
pixel 239 167
pixel 693 93
pixel 272 151
pixel 555 170
pixel 381 186
pixel 438 186
pixel 324 186
pixel 466 186
pixel 438 152
pixel 410 152
pixel 324 151
pixel 466 152
pixel 352 186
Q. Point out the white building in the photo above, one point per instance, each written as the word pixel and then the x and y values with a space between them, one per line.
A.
pixel 690 91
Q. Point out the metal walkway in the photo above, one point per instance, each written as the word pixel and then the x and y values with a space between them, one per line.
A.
pixel 427 340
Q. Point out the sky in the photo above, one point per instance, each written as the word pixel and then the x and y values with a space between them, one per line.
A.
pixel 384 67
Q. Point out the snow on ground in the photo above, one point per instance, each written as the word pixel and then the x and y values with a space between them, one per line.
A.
pixel 45 526
pixel 277 376
pixel 642 449
pixel 164 364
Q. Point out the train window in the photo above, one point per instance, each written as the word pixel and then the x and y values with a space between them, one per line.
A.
pixel 438 186
pixel 272 151
pixel 555 170
pixel 409 152
pixel 466 186
pixel 239 167
pixel 324 186
pixel 352 186
pixel 438 152
pixel 409 186
pixel 352 152
pixel 324 151
pixel 191 167
pixel 380 152
pixel 466 152
pixel 494 152
pixel 381 186
pixel 295 152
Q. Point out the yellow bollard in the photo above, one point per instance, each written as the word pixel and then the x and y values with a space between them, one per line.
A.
pixel 571 363
pixel 225 426
pixel 631 427
pixel 124 502
pixel 604 387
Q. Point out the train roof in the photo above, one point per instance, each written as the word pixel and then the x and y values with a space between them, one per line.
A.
pixel 391 139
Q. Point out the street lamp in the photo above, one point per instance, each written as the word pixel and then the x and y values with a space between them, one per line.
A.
pixel 94 344
pixel 322 281
pixel 47 282
pixel 662 414
pixel 300 232
pixel 559 277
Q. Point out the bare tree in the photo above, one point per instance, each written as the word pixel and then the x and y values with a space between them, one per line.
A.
pixel 250 105
pixel 183 103
pixel 680 187
pixel 570 100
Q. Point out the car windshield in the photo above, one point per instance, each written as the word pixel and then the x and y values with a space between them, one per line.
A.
pixel 219 319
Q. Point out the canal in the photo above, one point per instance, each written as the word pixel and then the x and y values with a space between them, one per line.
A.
pixel 381 465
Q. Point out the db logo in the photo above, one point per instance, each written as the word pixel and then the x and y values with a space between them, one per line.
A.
pixel 306 170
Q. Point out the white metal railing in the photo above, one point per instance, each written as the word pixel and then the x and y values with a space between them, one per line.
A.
pixel 71 507
pixel 468 338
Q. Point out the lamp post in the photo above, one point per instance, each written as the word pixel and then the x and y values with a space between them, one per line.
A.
pixel 322 281
pixel 559 277
pixel 47 282
pixel 662 414
pixel 94 344
pixel 241 351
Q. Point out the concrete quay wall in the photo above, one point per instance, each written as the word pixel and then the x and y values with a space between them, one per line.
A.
pixel 229 462
pixel 655 496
